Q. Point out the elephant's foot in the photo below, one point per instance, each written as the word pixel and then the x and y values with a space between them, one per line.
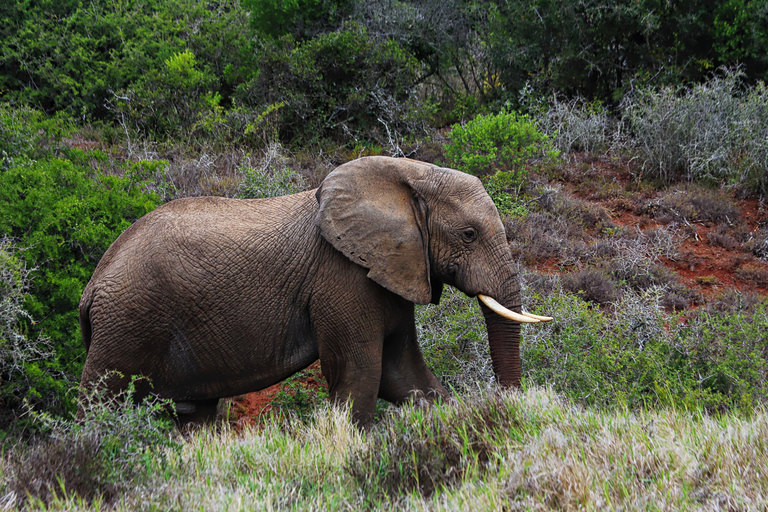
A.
pixel 195 412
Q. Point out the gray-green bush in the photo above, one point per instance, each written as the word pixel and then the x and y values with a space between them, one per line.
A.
pixel 576 125
pixel 636 355
pixel 715 132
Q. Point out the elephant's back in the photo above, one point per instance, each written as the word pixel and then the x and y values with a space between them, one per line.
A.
pixel 194 227
pixel 193 279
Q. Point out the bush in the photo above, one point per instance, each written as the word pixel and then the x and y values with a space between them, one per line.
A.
pixel 591 284
pixel 169 102
pixel 112 448
pixel 66 216
pixel 343 85
pixel 691 203
pixel 272 178
pixel 497 142
pixel 714 132
pixel 301 394
pixel 637 356
pixel 576 125
pixel 454 342
pixel 20 350
pixel 75 58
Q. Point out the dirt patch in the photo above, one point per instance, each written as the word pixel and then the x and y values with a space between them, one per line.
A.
pixel 252 408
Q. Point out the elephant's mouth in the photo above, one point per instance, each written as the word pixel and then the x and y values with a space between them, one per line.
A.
pixel 524 318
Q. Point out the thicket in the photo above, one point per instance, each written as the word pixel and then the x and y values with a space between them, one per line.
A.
pixel 312 69
pixel 112 447
pixel 61 213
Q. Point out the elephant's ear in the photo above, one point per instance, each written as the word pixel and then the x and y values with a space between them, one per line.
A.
pixel 370 211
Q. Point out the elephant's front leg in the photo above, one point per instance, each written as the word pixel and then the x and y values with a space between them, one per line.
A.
pixel 350 359
pixel 405 375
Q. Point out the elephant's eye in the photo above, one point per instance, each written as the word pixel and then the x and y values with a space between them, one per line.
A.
pixel 469 234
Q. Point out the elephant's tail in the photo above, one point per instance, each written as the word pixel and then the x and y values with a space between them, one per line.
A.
pixel 85 317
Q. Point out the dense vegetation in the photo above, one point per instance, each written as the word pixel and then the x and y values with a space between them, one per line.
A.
pixel 108 109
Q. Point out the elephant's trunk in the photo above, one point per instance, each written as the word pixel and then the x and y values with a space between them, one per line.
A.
pixel 504 342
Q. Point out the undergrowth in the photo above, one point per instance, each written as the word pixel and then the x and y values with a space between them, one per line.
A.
pixel 530 450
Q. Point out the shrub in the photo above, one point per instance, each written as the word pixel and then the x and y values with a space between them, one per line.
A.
pixel 691 203
pixel 170 101
pixel 637 356
pixel 20 350
pixel 498 142
pixel 301 394
pixel 66 216
pixel 454 342
pixel 576 125
pixel 342 85
pixel 112 448
pixel 268 181
pixel 726 353
pixel 74 58
pixel 591 284
pixel 714 132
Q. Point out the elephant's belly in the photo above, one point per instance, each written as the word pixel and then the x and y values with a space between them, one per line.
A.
pixel 229 365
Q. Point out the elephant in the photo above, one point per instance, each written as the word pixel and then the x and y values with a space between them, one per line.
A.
pixel 211 297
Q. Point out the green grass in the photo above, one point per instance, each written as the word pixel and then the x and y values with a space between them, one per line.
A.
pixel 528 450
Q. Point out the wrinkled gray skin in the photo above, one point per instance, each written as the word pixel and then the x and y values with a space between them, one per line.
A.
pixel 212 297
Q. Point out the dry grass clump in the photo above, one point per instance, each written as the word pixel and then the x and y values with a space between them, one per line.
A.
pixel 725 236
pixel 757 244
pixel 558 227
pixel 591 284
pixel 96 459
pixel 755 273
pixel 691 203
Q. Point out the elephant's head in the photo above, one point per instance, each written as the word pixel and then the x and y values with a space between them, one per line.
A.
pixel 416 227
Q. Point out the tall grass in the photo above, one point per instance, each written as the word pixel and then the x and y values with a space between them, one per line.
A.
pixel 527 450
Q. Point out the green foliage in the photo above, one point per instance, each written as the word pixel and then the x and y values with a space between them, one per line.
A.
pixel 66 216
pixel 114 445
pixel 300 18
pixel 269 182
pixel 453 340
pixel 301 395
pixel 602 49
pixel 76 57
pixel 342 84
pixel 498 142
pixel 504 188
pixel 20 350
pixel 640 357
pixel 726 352
pixel 170 101
pixel 26 134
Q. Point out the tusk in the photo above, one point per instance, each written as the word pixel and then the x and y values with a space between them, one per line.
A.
pixel 501 310
pixel 537 317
